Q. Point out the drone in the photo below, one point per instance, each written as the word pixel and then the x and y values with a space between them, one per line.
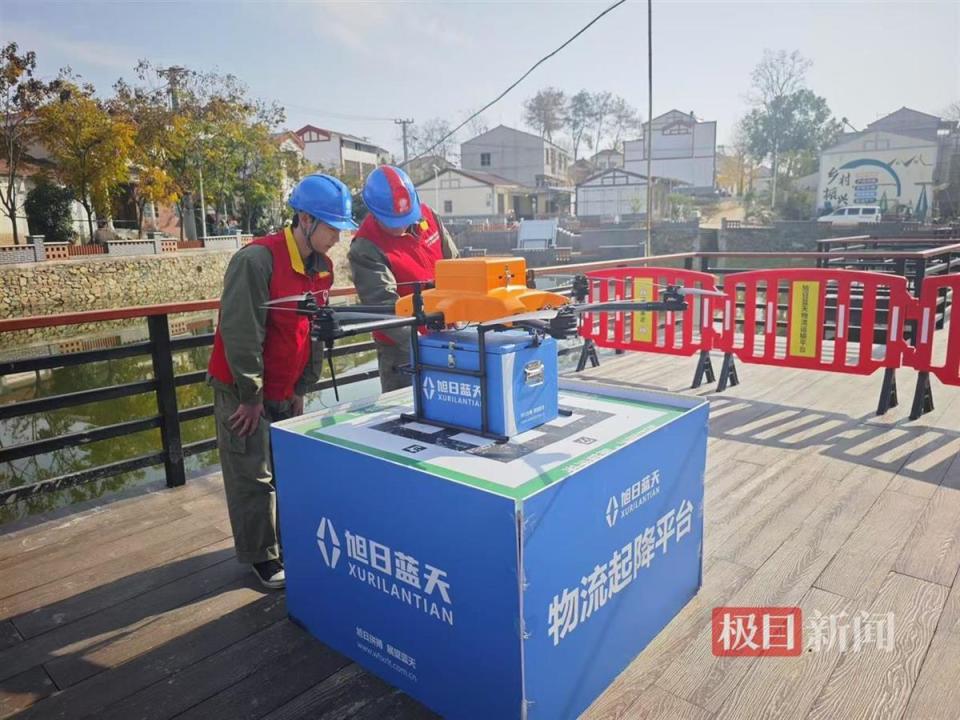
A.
pixel 479 293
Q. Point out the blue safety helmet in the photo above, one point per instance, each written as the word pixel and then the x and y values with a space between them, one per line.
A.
pixel 390 195
pixel 325 199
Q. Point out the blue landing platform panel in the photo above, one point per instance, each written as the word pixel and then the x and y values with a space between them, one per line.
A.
pixel 495 581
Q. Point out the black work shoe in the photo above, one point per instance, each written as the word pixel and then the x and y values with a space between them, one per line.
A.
pixel 270 574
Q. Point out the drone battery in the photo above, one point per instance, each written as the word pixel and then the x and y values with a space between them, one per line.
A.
pixel 521 380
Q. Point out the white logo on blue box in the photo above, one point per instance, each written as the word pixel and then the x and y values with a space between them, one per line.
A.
pixel 331 551
pixel 629 500
pixel 392 572
pixel 613 510
pixel 428 389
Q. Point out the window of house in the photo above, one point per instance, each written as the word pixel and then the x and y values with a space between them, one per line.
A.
pixel 484 159
pixel 448 206
pixel 546 156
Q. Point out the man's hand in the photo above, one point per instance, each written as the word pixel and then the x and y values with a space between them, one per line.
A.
pixel 296 405
pixel 245 420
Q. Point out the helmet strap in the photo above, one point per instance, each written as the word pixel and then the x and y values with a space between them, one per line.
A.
pixel 309 235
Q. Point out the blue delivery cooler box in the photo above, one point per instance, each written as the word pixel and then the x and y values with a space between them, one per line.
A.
pixel 486 580
pixel 521 374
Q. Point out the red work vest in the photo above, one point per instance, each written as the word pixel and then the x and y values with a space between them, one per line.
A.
pixel 286 345
pixel 411 256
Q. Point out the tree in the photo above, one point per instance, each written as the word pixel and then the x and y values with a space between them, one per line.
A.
pixel 48 209
pixel 952 111
pixel 160 137
pixel 261 176
pixel 21 96
pixel 546 111
pixel 625 119
pixel 579 116
pixel 786 116
pixel 433 132
pixel 89 146
pixel 602 104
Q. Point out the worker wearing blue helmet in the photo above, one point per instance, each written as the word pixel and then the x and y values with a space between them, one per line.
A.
pixel 397 246
pixel 263 361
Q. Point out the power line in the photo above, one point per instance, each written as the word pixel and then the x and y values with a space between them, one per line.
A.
pixel 523 77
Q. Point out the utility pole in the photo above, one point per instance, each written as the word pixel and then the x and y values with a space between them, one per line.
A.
pixel 649 133
pixel 188 222
pixel 403 124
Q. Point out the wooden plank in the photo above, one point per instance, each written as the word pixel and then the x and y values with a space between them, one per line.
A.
pixel 868 556
pixel 79 524
pixel 69 642
pixel 396 706
pixel 89 591
pixel 161 663
pixel 950 619
pixel 9 636
pixel 45 568
pixel 657 704
pixel 339 697
pixel 23 690
pixel 932 551
pixel 157 630
pixel 702 679
pixel 875 682
pixel 786 687
pixel 721 579
pixel 936 695
pixel 212 675
pixel 55 543
pixel 759 531
pixel 307 663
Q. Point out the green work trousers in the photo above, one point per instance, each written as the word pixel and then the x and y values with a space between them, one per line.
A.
pixel 248 479
pixel 388 358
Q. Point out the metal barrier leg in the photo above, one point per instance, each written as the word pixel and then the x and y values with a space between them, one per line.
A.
pixel 588 352
pixel 922 396
pixel 167 400
pixel 704 370
pixel 728 373
pixel 888 391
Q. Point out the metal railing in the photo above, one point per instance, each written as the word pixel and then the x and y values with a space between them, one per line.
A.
pixel 161 345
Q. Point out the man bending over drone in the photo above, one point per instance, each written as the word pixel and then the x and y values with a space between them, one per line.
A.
pixel 262 361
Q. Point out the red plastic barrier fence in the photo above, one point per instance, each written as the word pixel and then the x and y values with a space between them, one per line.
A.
pixel 816 311
pixel 671 333
pixel 945 367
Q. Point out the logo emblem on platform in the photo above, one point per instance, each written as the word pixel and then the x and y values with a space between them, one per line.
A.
pixel 428 388
pixel 328 542
pixel 613 511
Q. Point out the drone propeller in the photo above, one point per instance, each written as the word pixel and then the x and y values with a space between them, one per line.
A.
pixel 304 297
pixel 702 292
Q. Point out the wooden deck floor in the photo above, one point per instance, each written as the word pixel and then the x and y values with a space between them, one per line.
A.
pixel 137 609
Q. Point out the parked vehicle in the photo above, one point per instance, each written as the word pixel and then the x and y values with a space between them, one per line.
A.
pixel 852 215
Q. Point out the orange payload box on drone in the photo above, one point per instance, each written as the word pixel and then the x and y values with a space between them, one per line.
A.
pixel 474 290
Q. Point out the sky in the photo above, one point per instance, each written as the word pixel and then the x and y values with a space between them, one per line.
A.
pixel 355 66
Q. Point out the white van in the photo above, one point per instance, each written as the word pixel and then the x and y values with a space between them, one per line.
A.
pixel 852 215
